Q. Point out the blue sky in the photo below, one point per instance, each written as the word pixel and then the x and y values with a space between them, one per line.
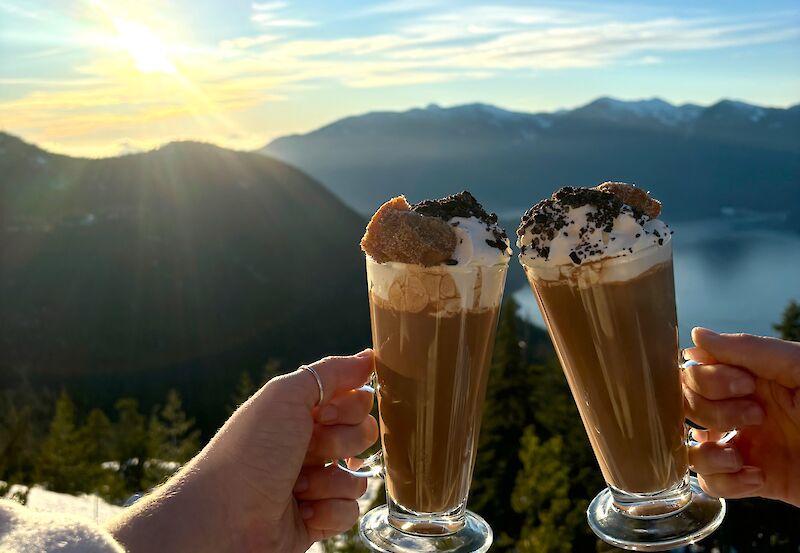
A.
pixel 96 77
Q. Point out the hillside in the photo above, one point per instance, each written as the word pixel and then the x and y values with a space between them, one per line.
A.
pixel 696 159
pixel 177 267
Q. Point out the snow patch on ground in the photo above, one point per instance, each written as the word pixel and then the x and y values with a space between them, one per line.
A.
pixel 97 510
pixel 87 506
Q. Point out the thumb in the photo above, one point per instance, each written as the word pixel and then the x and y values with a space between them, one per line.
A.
pixel 768 358
pixel 337 374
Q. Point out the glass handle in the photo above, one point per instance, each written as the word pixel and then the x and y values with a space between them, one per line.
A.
pixel 363 468
pixel 368 466
pixel 728 436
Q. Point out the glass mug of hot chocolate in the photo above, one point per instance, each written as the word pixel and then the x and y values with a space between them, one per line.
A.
pixel 599 262
pixel 436 272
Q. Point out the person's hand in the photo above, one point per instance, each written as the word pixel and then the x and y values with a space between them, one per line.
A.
pixel 261 484
pixel 751 384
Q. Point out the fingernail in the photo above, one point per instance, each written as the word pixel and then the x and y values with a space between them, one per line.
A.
pixel 329 413
pixel 301 485
pixel 743 386
pixel 753 415
pixel 751 476
pixel 730 458
pixel 306 511
pixel 364 353
pixel 706 331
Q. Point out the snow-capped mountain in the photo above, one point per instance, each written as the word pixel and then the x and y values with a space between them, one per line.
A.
pixel 654 108
pixel 695 158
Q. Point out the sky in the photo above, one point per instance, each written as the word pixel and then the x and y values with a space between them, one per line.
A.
pixel 103 77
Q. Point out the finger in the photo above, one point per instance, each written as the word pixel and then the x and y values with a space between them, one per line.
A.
pixel 719 381
pixel 769 358
pixel 744 483
pixel 336 515
pixel 707 435
pixel 698 354
pixel 338 374
pixel 713 458
pixel 346 408
pixel 328 483
pixel 721 415
pixel 341 441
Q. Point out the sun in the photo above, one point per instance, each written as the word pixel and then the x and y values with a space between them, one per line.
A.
pixel 148 52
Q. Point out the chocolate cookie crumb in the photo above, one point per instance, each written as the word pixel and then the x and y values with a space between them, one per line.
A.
pixel 462 204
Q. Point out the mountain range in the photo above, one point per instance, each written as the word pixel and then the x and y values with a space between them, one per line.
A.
pixel 697 160
pixel 179 267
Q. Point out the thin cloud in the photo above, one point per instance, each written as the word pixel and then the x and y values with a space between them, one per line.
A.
pixel 266 14
pixel 245 42
pixel 270 21
pixel 16 10
pixel 400 6
pixel 647 60
pixel 50 83
pixel 268 6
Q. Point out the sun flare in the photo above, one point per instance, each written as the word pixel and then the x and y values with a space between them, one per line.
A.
pixel 147 50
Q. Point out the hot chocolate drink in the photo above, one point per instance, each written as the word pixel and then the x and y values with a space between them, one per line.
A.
pixel 599 261
pixel 432 366
pixel 601 270
pixel 436 272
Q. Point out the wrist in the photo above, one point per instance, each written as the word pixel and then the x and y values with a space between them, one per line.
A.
pixel 183 514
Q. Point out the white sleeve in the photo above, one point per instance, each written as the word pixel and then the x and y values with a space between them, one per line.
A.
pixel 25 531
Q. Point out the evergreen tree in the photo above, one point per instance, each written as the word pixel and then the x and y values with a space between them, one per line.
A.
pixel 557 416
pixel 541 496
pixel 789 327
pixel 24 422
pixel 61 467
pixel 244 389
pixel 130 443
pixel 272 368
pixel 507 411
pixel 96 438
pixel 172 440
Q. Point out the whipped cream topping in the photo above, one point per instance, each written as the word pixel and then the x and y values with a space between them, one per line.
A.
pixel 581 225
pixel 479 242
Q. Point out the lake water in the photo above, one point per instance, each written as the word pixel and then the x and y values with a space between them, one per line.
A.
pixel 732 274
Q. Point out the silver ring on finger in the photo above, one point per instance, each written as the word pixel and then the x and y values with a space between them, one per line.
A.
pixel 319 382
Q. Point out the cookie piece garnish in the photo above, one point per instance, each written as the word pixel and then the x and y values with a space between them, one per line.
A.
pixel 634 197
pixel 396 233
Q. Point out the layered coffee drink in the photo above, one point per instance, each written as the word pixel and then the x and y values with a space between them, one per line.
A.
pixel 436 272
pixel 599 261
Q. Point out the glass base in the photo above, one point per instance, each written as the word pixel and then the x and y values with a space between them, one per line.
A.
pixel 697 519
pixel 377 534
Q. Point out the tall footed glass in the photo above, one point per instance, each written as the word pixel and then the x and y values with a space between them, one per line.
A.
pixel 614 326
pixel 433 332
